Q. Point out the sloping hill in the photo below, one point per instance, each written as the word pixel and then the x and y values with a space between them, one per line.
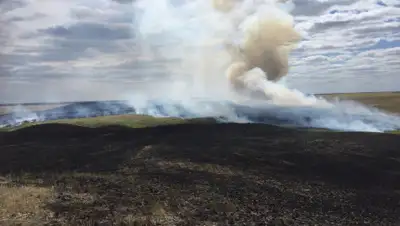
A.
pixel 199 174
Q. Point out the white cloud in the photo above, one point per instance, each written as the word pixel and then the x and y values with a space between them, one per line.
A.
pixel 357 41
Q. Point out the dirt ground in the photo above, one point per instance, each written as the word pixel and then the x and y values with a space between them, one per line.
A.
pixel 216 174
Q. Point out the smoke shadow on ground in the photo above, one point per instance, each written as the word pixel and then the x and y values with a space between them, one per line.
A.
pixel 200 173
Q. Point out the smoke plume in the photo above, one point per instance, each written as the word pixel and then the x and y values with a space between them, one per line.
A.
pixel 269 37
pixel 218 42
pixel 234 52
pixel 224 59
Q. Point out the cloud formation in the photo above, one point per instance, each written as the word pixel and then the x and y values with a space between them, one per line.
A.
pixel 54 46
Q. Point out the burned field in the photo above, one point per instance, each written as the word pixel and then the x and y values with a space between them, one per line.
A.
pixel 199 174
pixel 142 170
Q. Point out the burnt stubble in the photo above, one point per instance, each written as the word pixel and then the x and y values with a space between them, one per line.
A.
pixel 224 174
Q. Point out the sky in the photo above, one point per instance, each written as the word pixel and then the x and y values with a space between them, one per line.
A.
pixel 66 50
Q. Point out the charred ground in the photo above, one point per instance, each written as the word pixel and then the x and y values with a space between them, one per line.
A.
pixel 199 174
pixel 129 170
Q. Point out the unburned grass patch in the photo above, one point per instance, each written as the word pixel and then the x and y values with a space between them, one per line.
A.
pixel 24 205
pixel 128 121
pixel 387 101
pixel 7 109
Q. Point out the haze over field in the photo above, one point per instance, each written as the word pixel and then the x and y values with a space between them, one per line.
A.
pixel 198 53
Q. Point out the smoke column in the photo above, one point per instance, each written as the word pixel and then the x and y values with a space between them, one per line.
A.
pixel 225 59
pixel 214 44
pixel 221 49
pixel 234 51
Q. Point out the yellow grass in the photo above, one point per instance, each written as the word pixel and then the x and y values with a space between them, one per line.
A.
pixel 10 109
pixel 24 205
pixel 387 101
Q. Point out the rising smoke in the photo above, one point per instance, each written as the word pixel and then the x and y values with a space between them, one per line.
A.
pixel 221 49
pixel 235 51
pixel 210 39
pixel 268 39
pixel 225 59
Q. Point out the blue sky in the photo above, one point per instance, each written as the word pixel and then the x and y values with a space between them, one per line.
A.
pixel 84 49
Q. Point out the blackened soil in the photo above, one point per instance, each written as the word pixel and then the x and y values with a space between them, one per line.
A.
pixel 223 174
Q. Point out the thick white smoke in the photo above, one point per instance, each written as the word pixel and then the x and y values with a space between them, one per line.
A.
pixel 225 58
pixel 212 45
pixel 20 115
pixel 234 51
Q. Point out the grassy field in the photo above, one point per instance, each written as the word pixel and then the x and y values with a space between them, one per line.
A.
pixel 129 121
pixel 140 170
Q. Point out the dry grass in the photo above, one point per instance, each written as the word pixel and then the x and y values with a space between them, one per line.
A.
pixel 8 109
pixel 388 101
pixel 155 214
pixel 132 121
pixel 129 121
pixel 24 205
